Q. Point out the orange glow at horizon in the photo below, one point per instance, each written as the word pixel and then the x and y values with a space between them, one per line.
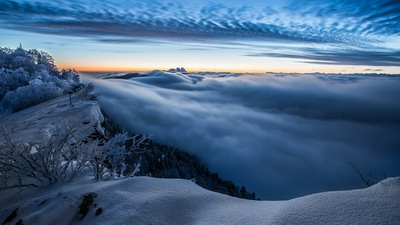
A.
pixel 111 69
pixel 194 70
pixel 120 69
pixel 92 67
pixel 146 69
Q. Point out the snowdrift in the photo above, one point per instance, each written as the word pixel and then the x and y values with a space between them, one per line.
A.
pixel 145 200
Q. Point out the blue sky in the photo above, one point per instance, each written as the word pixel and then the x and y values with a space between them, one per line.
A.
pixel 252 36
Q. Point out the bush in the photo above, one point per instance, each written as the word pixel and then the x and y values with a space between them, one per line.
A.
pixel 12 79
pixel 37 164
pixel 85 92
pixel 63 156
pixel 34 93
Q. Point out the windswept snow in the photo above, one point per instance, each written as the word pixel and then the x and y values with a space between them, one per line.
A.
pixel 145 200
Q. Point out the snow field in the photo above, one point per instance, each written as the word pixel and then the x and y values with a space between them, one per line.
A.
pixel 145 200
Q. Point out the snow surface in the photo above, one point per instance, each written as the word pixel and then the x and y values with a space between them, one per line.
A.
pixel 38 123
pixel 145 200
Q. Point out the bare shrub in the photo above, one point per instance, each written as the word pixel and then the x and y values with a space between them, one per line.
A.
pixel 56 160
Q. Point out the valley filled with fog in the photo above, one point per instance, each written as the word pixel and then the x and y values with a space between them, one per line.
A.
pixel 281 135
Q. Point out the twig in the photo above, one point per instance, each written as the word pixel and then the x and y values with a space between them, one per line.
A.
pixel 361 176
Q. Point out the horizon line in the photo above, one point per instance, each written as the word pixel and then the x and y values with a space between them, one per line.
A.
pixel 236 72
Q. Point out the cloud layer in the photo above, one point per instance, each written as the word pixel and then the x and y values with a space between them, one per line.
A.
pixel 281 136
pixel 346 57
pixel 348 26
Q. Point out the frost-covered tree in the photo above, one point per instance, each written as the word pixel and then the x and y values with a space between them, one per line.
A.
pixel 43 61
pixel 20 73
pixel 21 59
pixel 70 76
pixel 31 60
pixel 109 159
pixel 85 92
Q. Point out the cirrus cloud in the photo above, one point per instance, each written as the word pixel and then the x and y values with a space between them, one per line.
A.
pixel 355 33
pixel 311 22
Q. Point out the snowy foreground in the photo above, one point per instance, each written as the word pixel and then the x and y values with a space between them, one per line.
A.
pixel 145 200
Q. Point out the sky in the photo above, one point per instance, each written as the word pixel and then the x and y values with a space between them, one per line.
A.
pixel 335 36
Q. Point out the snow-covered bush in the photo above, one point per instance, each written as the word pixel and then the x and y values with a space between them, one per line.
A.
pixel 36 92
pixel 63 156
pixel 12 79
pixel 71 76
pixel 37 164
pixel 85 92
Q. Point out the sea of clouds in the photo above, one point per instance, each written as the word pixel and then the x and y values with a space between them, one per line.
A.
pixel 282 136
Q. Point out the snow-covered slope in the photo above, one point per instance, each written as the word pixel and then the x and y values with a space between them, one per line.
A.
pixel 38 123
pixel 144 200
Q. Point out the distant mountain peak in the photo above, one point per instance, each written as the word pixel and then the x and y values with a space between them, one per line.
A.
pixel 177 70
